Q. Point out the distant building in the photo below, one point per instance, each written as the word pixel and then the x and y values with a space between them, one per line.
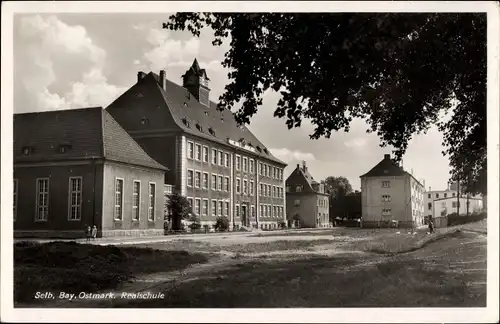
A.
pixel 306 199
pixel 388 193
pixel 77 168
pixel 223 169
pixel 431 196
pixel 445 206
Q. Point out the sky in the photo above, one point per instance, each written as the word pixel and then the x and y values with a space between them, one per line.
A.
pixel 67 61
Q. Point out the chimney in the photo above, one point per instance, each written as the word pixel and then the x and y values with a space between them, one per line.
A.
pixel 387 156
pixel 163 78
pixel 430 189
pixel 304 167
pixel 140 76
pixel 298 166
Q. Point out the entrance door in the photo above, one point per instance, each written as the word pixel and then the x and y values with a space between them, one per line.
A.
pixel 244 215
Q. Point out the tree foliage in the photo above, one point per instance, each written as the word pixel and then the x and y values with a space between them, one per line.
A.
pixel 222 223
pixel 399 71
pixel 178 208
pixel 338 188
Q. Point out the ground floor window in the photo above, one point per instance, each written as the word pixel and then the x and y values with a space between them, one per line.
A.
pixel 152 201
pixel 42 200
pixel 75 198
pixel 118 199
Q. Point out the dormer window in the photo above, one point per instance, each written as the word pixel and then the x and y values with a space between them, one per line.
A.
pixel 198 127
pixel 258 148
pixel 211 131
pixel 185 105
pixel 63 148
pixel 27 150
pixel 222 119
pixel 242 141
pixel 185 121
pixel 144 121
pixel 206 113
pixel 265 151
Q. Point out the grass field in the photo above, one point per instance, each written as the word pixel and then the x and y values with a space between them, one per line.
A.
pixel 342 268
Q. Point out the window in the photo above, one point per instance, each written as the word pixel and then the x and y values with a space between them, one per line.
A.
pixel 261 210
pixel 296 203
pixel 386 211
pixel 274 173
pixel 269 190
pixel 205 153
pixel 205 207
pixel 266 170
pixel 226 208
pixel 453 194
pixel 245 164
pixel 251 188
pixel 197 204
pixel 386 198
pixel 197 179
pixel 429 206
pixel 152 202
pixel 386 184
pixel 197 152
pixel 136 200
pixel 190 178
pixel 205 180
pixel 445 195
pixel 261 192
pixel 221 158
pixel 299 188
pixel 245 187
pixel 251 165
pixel 190 201
pixel 75 198
pixel 274 212
pixel 454 204
pixel 118 199
pixel 15 199
pixel 288 188
pixel 214 182
pixel 238 162
pixel 219 208
pixel 437 195
pixel 274 192
pixel 214 156
pixel 190 149
pixel 226 160
pixel 214 208
pixel 252 211
pixel 238 184
pixel 237 211
pixel 226 184
pixel 219 183
pixel 260 168
pixel 264 193
pixel 429 196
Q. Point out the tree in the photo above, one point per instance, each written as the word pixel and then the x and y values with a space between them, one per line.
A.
pixel 337 188
pixel 222 223
pixel 195 222
pixel 398 71
pixel 178 208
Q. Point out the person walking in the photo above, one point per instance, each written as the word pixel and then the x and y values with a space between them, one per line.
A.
pixel 431 225
pixel 94 232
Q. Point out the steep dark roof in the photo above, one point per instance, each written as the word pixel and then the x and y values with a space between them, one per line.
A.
pixel 205 122
pixel 385 168
pixel 86 133
pixel 301 176
pixel 195 69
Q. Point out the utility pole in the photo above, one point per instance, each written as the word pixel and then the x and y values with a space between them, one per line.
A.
pixel 468 185
pixel 458 197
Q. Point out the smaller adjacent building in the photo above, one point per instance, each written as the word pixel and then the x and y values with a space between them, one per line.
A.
pixel 446 206
pixel 306 200
pixel 77 168
pixel 391 195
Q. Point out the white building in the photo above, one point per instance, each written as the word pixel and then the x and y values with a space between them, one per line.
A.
pixel 445 206
pixel 389 193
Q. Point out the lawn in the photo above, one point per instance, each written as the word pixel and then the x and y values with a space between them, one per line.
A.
pixel 73 267
pixel 438 275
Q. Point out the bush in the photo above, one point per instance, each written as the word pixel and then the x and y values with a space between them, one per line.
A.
pixel 195 223
pixel 221 224
pixel 454 219
pixel 282 225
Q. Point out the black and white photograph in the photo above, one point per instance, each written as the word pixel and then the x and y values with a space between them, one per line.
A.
pixel 239 161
